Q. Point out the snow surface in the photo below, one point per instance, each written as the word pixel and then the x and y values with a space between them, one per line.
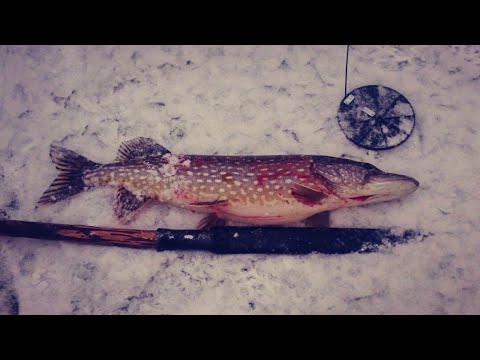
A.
pixel 238 100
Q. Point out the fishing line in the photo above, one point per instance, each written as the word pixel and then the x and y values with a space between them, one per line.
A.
pixel 346 70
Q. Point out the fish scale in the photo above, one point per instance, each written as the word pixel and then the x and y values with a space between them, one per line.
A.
pixel 260 180
pixel 274 189
pixel 245 180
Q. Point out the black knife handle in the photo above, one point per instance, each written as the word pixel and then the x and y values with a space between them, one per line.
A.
pixel 280 240
pixel 168 239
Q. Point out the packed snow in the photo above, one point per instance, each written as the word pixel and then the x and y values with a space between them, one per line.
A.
pixel 238 100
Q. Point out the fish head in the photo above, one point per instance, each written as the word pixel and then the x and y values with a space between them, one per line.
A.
pixel 362 182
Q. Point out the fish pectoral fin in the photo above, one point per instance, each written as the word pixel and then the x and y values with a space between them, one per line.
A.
pixel 140 148
pixel 127 204
pixel 306 195
pixel 320 220
pixel 210 221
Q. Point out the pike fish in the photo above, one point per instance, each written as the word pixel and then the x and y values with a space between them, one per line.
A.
pixel 261 190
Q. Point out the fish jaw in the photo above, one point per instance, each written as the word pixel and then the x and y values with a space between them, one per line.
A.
pixel 383 187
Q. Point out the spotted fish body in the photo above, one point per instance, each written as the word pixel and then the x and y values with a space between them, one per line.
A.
pixel 249 189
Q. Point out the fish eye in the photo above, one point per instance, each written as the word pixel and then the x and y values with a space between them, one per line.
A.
pixel 371 169
pixel 369 166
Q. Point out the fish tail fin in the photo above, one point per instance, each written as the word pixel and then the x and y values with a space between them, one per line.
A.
pixel 70 180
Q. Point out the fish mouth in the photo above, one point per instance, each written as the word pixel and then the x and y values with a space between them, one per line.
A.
pixel 390 186
pixel 385 186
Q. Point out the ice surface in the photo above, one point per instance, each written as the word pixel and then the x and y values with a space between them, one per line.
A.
pixel 238 100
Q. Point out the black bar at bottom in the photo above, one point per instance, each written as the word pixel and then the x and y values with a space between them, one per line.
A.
pixel 281 240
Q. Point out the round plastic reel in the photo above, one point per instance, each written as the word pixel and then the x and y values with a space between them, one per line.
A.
pixel 376 117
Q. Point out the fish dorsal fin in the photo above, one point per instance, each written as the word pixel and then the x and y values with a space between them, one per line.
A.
pixel 127 204
pixel 140 148
pixel 306 195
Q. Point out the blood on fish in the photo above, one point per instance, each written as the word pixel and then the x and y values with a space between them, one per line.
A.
pixel 361 198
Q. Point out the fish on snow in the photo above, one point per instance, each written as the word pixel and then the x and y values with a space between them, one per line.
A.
pixel 261 190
